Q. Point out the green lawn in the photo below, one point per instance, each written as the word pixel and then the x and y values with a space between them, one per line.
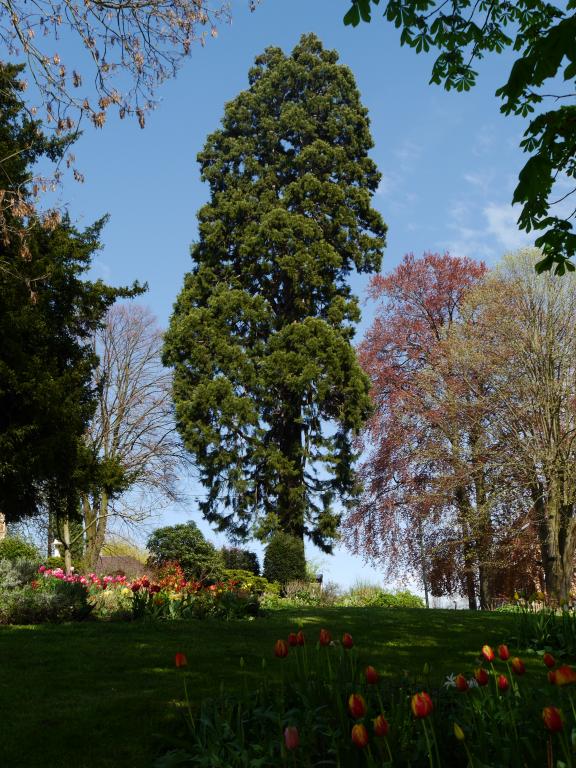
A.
pixel 95 695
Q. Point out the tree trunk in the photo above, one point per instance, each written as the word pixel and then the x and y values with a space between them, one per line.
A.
pixel 65 532
pixel 3 527
pixel 557 534
pixel 468 548
pixel 291 500
pixel 95 516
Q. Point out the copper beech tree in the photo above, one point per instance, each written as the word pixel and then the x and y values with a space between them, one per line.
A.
pixel 432 504
pixel 470 479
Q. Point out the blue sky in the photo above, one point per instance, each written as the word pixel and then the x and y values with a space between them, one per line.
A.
pixel 449 163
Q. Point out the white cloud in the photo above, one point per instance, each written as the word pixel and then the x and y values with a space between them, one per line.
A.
pixel 502 225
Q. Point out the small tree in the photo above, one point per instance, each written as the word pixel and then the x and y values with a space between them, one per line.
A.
pixel 186 545
pixel 240 559
pixel 284 560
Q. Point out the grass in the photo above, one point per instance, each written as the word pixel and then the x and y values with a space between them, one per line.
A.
pixel 96 695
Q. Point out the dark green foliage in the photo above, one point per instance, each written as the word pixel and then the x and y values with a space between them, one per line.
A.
pixel 267 386
pixel 185 545
pixel 544 34
pixel 48 313
pixel 13 548
pixel 284 560
pixel 241 559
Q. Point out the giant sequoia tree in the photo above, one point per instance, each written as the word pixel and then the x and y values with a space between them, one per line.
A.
pixel 267 387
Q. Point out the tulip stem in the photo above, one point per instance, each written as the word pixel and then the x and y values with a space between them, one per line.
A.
pixel 428 745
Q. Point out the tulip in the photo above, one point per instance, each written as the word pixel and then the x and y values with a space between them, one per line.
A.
pixel 291 737
pixel 300 638
pixel 135 586
pixel 356 706
pixel 325 637
pixel 565 675
pixel 458 732
pixel 488 653
pixel 552 676
pixel 481 676
pixel 145 582
pixel 503 683
pixel 281 649
pixel 347 641
pixel 552 719
pixel 381 726
pixel 371 675
pixel 461 683
pixel 549 660
pixel 518 666
pixel 360 735
pixel 180 660
pixel 421 705
pixel 503 652
pixel 292 639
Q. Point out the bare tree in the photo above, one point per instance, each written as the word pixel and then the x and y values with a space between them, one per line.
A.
pixel 133 432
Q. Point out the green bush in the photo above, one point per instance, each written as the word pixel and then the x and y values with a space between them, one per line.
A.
pixel 17 573
pixel 247 581
pixel 185 545
pixel 14 548
pixel 240 559
pixel 284 559
pixel 370 595
pixel 41 602
pixel 54 562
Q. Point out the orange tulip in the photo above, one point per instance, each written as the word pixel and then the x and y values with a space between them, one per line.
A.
pixel 549 660
pixel 325 637
pixel 371 675
pixel 565 675
pixel 281 649
pixel 381 726
pixel 503 683
pixel 503 652
pixel 488 653
pixel 518 666
pixel 421 705
pixel 481 676
pixel 180 660
pixel 356 706
pixel 347 641
pixel 360 735
pixel 461 683
pixel 552 719
pixel 291 737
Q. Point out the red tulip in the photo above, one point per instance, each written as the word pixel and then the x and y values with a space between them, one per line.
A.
pixel 461 683
pixel 565 675
pixel 347 641
pixel 549 660
pixel 381 726
pixel 371 675
pixel 292 639
pixel 552 719
pixel 552 676
pixel 356 706
pixel 180 660
pixel 421 705
pixel 281 649
pixel 300 638
pixel 488 653
pixel 291 737
pixel 481 676
pixel 360 735
pixel 503 652
pixel 145 582
pixel 135 586
pixel 518 666
pixel 325 637
pixel 503 683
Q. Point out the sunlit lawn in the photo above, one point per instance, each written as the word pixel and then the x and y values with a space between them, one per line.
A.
pixel 96 695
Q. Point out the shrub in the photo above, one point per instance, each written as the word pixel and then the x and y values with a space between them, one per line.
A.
pixel 246 580
pixel 240 559
pixel 44 601
pixel 17 573
pixel 371 595
pixel 186 545
pixel 284 560
pixel 14 548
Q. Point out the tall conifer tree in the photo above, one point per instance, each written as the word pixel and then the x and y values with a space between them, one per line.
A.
pixel 267 387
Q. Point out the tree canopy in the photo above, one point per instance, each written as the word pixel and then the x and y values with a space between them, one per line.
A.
pixel 267 387
pixel 543 34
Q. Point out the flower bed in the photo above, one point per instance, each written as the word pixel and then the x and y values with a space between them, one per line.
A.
pixel 330 711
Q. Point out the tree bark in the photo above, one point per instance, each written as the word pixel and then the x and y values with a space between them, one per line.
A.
pixel 557 534
pixel 95 514
pixel 3 528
